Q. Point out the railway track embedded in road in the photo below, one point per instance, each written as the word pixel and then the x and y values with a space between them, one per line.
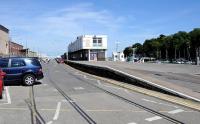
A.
pixel 134 103
pixel 72 102
pixel 36 118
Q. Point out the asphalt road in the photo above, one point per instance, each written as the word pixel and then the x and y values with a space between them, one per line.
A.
pixel 68 96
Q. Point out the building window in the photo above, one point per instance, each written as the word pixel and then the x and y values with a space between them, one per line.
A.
pixel 97 42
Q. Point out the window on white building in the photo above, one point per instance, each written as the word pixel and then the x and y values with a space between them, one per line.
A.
pixel 97 42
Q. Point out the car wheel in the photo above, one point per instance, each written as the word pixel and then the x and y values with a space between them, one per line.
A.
pixel 29 80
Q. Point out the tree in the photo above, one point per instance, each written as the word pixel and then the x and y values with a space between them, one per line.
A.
pixel 195 42
pixel 139 48
pixel 128 51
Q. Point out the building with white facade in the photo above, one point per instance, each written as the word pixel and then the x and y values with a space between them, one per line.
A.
pixel 118 56
pixel 88 47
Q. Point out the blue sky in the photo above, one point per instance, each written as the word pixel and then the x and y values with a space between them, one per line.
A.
pixel 49 26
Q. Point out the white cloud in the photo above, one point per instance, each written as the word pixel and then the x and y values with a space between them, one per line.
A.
pixel 51 31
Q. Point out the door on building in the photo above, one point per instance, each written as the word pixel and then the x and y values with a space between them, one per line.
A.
pixel 93 56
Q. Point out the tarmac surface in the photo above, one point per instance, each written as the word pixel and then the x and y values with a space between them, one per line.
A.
pixel 178 77
pixel 89 94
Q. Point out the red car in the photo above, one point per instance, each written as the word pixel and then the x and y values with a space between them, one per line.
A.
pixel 2 74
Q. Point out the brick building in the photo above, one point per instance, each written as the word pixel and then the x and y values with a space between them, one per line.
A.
pixel 15 49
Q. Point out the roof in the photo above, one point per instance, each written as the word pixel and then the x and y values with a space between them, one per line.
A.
pixel 4 29
pixel 16 43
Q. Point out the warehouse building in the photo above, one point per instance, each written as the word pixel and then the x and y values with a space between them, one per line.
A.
pixel 88 47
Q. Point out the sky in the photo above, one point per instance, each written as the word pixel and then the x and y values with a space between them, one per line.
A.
pixel 48 26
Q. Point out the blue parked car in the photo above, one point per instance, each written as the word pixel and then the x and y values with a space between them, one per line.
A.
pixel 25 70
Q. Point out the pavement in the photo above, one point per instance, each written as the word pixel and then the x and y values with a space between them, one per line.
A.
pixel 87 93
pixel 181 78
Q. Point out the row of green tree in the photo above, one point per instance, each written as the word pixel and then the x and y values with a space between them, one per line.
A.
pixel 179 45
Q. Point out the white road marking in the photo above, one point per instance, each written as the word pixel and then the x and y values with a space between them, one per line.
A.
pixel 175 111
pixel 8 95
pixel 132 123
pixel 168 105
pixel 149 100
pixel 50 122
pixel 78 88
pixel 99 82
pixel 57 111
pixel 153 118
pixel 159 103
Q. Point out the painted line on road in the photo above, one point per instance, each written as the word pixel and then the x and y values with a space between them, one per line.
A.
pixel 57 111
pixel 149 100
pixel 168 105
pixel 176 111
pixel 79 88
pixel 50 122
pixel 153 118
pixel 99 82
pixel 159 103
pixel 8 95
pixel 132 123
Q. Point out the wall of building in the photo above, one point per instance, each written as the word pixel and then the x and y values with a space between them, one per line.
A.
pixel 88 47
pixel 86 42
pixel 15 49
pixel 118 56
pixel 4 39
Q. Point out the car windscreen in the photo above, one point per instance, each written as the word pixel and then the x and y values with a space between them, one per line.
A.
pixel 4 63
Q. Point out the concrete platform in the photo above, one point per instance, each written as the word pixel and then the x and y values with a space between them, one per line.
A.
pixel 181 79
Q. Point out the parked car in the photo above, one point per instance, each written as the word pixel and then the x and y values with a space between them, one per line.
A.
pixel 2 74
pixel 25 70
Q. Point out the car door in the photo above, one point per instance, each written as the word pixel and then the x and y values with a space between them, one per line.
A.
pixel 16 69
